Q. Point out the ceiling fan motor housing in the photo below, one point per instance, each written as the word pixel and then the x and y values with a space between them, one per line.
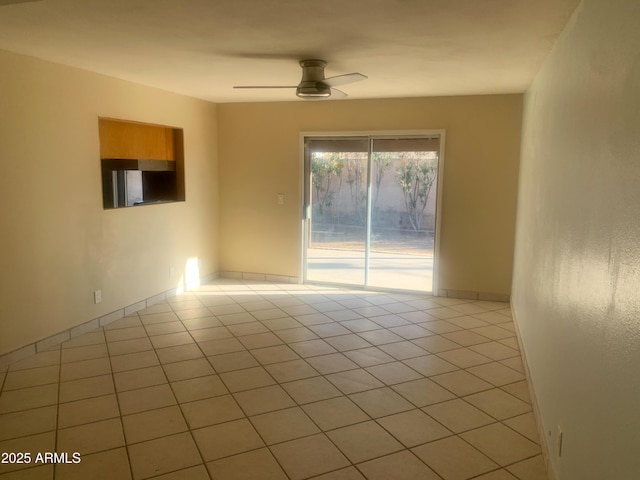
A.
pixel 312 83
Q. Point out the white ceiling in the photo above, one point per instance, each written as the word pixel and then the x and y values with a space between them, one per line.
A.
pixel 201 48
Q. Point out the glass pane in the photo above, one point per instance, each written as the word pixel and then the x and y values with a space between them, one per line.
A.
pixel 403 213
pixel 337 227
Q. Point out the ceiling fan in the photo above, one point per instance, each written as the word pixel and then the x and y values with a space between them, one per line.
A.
pixel 314 85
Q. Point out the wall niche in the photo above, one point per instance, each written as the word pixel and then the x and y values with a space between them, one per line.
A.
pixel 142 164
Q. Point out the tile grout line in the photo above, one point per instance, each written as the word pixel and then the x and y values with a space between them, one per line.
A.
pixel 117 397
pixel 260 296
pixel 190 429
pixel 56 435
pixel 266 445
pixel 239 406
pixel 178 404
pixel 344 395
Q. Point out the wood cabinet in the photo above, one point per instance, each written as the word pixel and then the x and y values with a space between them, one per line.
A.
pixel 135 141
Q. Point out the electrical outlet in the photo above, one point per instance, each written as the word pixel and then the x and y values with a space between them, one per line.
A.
pixel 559 441
pixel 97 296
pixel 172 272
pixel 281 199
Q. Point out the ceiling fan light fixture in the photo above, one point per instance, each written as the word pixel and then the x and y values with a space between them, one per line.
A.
pixel 313 92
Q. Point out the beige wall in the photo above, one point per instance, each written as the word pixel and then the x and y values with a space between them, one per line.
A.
pixel 61 245
pixel 577 259
pixel 260 157
pixel 58 245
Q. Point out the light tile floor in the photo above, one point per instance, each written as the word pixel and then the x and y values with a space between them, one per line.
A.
pixel 248 380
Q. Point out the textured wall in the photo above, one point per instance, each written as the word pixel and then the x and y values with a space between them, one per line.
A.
pixel 577 259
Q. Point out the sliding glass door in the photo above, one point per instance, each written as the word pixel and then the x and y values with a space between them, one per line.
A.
pixel 370 211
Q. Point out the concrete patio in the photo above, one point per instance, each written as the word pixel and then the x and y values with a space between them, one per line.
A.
pixel 401 271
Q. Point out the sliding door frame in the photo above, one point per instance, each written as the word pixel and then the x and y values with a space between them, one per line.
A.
pixel 371 134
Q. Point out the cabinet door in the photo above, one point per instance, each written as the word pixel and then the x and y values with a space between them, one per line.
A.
pixel 135 141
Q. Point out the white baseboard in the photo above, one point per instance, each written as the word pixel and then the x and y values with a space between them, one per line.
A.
pixel 544 439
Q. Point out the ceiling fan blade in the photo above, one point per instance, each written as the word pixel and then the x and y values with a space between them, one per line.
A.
pixel 335 93
pixel 344 79
pixel 265 86
pixel 259 56
pixel 11 2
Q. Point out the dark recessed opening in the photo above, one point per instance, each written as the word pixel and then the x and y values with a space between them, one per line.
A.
pixel 148 168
